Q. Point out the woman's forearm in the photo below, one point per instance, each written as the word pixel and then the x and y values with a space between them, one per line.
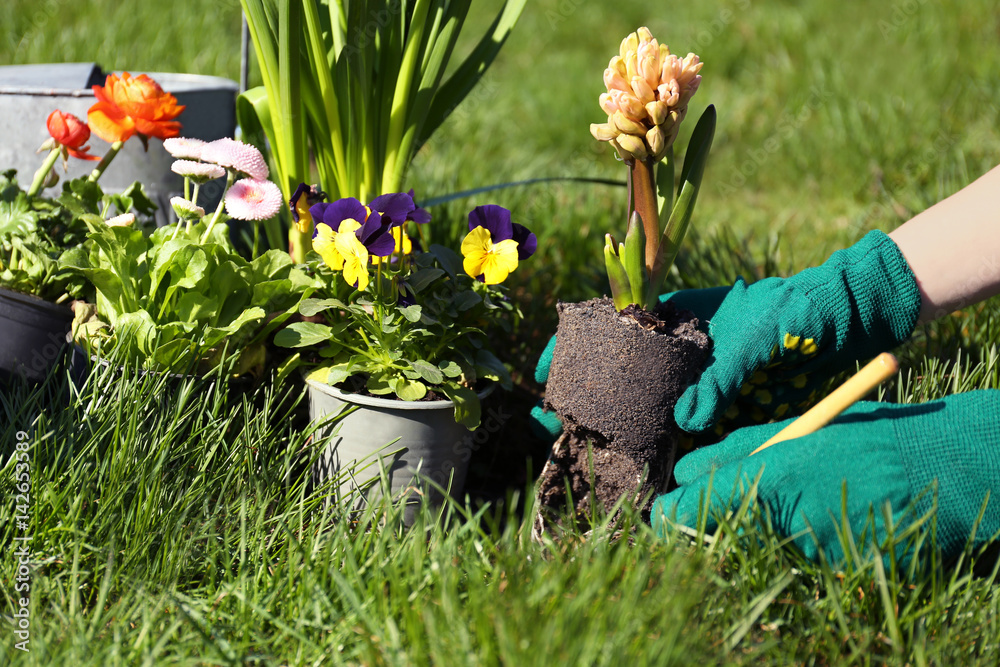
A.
pixel 953 248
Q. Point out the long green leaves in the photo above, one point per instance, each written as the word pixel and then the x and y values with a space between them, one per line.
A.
pixel 359 85
pixel 691 174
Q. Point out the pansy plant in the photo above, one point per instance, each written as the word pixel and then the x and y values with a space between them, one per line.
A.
pixel 400 317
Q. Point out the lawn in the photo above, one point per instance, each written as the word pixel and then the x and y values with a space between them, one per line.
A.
pixel 172 523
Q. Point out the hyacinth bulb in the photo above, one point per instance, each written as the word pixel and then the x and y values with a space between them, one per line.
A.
pixel 648 90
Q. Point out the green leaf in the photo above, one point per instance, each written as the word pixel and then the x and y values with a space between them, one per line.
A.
pixel 634 259
pixel 665 186
pixel 467 408
pixel 275 295
pixel 621 290
pixel 133 197
pixel 81 196
pixel 137 331
pixel 341 372
pixel 330 350
pixel 17 216
pixel 248 317
pixel 410 390
pixel 466 300
pixel 448 259
pixel 424 277
pixel 311 307
pixel 195 306
pixel 465 77
pixel 321 374
pixel 302 334
pixel 379 385
pixel 140 200
pixel 691 177
pixel 411 313
pixel 450 369
pixel 273 264
pixel 490 367
pixel 427 371
pixel 163 260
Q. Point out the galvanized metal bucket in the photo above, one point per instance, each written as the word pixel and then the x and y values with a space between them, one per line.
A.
pixel 29 93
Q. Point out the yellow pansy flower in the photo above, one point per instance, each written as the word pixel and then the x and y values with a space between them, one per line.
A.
pixel 483 257
pixel 354 254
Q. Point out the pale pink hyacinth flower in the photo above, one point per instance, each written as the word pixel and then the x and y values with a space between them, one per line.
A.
pixel 199 172
pixel 184 148
pixel 253 199
pixel 186 210
pixel 123 220
pixel 648 90
pixel 236 155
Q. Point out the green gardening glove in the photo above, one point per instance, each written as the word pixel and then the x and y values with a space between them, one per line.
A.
pixel 544 424
pixel 777 340
pixel 702 302
pixel 882 452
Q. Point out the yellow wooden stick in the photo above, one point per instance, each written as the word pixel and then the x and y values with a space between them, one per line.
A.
pixel 872 375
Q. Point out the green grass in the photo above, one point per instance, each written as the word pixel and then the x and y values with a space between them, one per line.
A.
pixel 173 525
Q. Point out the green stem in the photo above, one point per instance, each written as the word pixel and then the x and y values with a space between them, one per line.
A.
pixel 218 210
pixel 187 188
pixel 105 161
pixel 378 292
pixel 43 171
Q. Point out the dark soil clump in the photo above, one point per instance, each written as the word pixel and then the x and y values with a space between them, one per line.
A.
pixel 614 381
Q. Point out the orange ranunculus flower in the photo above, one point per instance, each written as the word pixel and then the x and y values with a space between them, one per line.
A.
pixel 71 133
pixel 133 105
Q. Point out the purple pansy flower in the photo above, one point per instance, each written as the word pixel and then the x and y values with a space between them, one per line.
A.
pixel 312 195
pixel 496 219
pixel 398 207
pixel 373 232
pixel 418 215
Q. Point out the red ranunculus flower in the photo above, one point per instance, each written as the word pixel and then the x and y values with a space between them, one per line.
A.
pixel 71 133
pixel 133 105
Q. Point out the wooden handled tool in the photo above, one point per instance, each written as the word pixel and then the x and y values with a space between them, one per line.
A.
pixel 872 375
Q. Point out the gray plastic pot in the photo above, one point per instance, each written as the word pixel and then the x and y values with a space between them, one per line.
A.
pixel 414 441
pixel 33 334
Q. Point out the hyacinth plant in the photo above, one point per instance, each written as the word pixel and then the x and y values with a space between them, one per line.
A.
pixel 399 319
pixel 359 86
pixel 177 298
pixel 648 91
pixel 36 230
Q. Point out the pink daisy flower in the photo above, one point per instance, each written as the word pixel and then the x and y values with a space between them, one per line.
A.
pixel 197 171
pixel 236 155
pixel 123 220
pixel 186 210
pixel 252 199
pixel 184 148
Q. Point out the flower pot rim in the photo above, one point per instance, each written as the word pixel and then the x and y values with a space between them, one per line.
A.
pixel 390 403
pixel 33 301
